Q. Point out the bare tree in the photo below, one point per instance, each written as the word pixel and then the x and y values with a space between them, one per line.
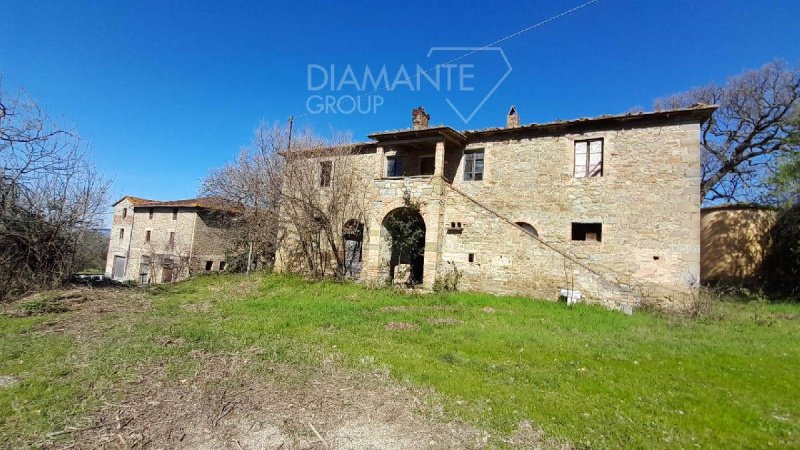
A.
pixel 323 205
pixel 308 200
pixel 50 197
pixel 745 135
pixel 252 182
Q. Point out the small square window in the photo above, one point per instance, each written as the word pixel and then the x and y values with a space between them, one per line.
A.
pixel 209 265
pixel 326 168
pixel 473 166
pixel 587 232
pixel 222 265
pixel 471 257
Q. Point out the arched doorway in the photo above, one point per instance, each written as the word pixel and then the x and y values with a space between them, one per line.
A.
pixel 403 233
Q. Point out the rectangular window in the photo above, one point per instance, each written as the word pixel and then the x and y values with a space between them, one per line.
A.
pixel 222 265
pixel 174 213
pixel 427 165
pixel 587 232
pixel 147 235
pixel 209 265
pixel 589 158
pixel 473 166
pixel 171 238
pixel 326 168
pixel 150 213
pixel 124 212
pixel 394 166
pixel 122 233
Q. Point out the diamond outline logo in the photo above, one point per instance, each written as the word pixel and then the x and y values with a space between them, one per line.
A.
pixel 491 91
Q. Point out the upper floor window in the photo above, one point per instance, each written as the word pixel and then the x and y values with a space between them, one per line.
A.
pixel 171 238
pixel 473 166
pixel 124 212
pixel 147 236
pixel 122 233
pixel 174 213
pixel 394 166
pixel 150 213
pixel 589 158
pixel 326 168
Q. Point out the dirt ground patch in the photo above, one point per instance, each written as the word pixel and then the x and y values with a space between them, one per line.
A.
pixel 228 405
pixel 395 326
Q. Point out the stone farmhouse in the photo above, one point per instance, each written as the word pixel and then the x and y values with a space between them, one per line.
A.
pixel 605 209
pixel 163 241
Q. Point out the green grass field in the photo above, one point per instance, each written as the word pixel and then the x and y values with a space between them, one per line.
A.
pixel 585 375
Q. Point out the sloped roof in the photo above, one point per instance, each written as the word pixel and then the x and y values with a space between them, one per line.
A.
pixel 411 133
pixel 213 203
pixel 698 112
pixel 134 200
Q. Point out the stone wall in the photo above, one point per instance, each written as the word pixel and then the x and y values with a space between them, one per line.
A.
pixel 159 247
pixel 210 241
pixel 734 243
pixel 647 202
pixel 122 219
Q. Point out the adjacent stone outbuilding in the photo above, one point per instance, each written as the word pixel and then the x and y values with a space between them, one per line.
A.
pixel 163 241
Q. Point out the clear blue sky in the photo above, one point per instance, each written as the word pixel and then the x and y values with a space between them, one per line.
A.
pixel 165 90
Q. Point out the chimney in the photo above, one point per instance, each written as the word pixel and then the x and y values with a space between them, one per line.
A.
pixel 512 119
pixel 419 118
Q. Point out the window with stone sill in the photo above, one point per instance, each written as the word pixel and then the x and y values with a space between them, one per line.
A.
pixel 589 158
pixel 473 165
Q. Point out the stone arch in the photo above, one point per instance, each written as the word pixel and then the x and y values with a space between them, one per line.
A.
pixel 528 228
pixel 394 255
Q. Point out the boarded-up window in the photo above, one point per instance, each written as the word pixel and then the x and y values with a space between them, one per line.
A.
pixel 326 167
pixel 394 166
pixel 587 231
pixel 473 166
pixel 589 158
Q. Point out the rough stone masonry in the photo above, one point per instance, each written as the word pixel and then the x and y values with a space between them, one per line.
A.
pixel 607 207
